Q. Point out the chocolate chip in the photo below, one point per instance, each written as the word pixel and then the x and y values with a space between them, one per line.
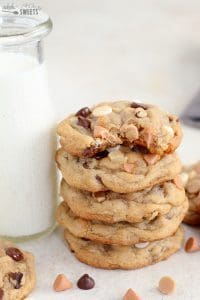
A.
pixel 99 194
pixel 101 154
pixel 1 294
pixel 84 122
pixel 90 151
pixel 86 240
pixel 17 277
pixel 98 178
pixel 83 112
pixel 86 282
pixel 85 165
pixel 107 247
pixel 140 149
pixel 136 105
pixel 15 254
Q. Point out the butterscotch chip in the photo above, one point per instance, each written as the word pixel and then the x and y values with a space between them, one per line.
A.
pixel 61 283
pixel 131 295
pixel 192 245
pixel 167 285
pixel 178 182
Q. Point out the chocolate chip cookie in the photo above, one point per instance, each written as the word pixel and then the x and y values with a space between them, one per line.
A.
pixel 122 233
pixel 191 179
pixel 111 207
pixel 124 257
pixel 17 272
pixel 121 170
pixel 92 130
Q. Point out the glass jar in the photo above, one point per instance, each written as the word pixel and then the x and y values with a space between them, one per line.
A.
pixel 27 121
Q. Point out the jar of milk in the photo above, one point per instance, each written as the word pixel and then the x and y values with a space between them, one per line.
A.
pixel 27 121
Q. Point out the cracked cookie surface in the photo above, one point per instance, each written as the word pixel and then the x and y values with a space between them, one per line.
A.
pixel 191 179
pixel 121 170
pixel 17 272
pixel 123 257
pixel 112 207
pixel 108 124
pixel 122 233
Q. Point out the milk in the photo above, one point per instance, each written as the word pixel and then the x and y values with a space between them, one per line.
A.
pixel 27 145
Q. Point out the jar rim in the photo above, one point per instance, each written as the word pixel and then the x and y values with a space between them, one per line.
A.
pixel 22 29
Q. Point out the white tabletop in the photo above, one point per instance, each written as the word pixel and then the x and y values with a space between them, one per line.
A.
pixel 110 49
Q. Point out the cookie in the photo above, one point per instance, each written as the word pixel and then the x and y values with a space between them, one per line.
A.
pixel 17 272
pixel 109 124
pixel 112 207
pixel 122 233
pixel 121 170
pixel 191 179
pixel 123 257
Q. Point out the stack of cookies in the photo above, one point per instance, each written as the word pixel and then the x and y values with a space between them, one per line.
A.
pixel 123 200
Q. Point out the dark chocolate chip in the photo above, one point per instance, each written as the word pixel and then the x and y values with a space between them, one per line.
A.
pixel 85 165
pixel 98 178
pixel 1 294
pixel 15 254
pixel 90 151
pixel 136 105
pixel 86 240
pixel 86 282
pixel 17 276
pixel 83 112
pixel 107 247
pixel 99 194
pixel 140 149
pixel 101 154
pixel 83 122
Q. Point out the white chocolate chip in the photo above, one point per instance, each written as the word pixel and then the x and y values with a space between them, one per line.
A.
pixel 113 149
pixel 192 174
pixel 141 113
pixel 168 131
pixel 102 111
pixel 116 156
pixel 141 245
pixel 184 178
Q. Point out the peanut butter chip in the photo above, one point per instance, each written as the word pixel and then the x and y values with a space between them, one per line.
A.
pixel 178 182
pixel 61 283
pixel 166 285
pixel 102 110
pixel 128 167
pixel 131 295
pixel 151 159
pixel 192 245
pixel 101 132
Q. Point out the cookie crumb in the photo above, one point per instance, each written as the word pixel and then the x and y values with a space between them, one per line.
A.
pixel 167 285
pixel 61 283
pixel 131 295
pixel 192 245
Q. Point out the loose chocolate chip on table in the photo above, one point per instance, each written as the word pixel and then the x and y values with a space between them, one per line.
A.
pixel 15 254
pixel 101 154
pixel 86 282
pixel 17 276
pixel 83 112
pixel 136 105
pixel 83 122
pixel 1 294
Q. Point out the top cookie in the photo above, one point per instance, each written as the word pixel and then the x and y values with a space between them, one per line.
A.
pixel 109 124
